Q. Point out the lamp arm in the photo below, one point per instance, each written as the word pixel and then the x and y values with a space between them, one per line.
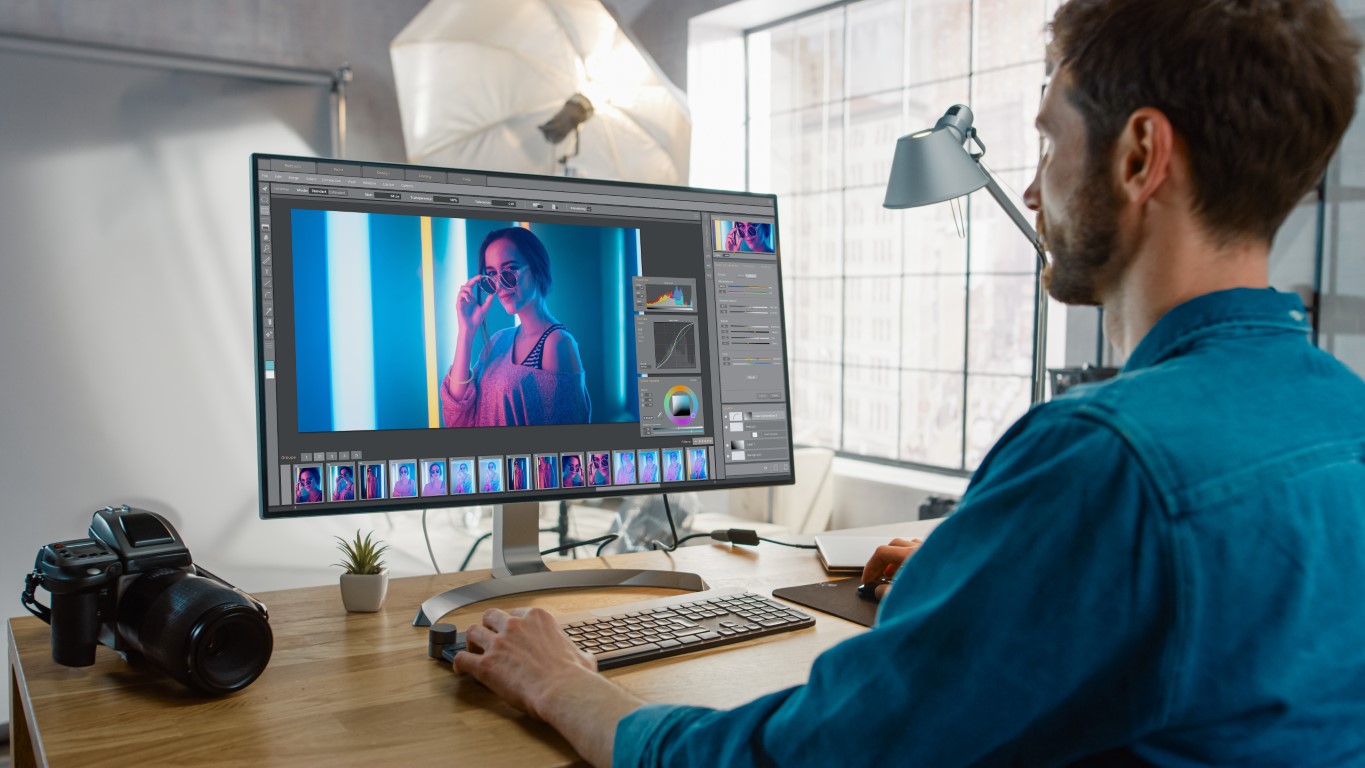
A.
pixel 1040 307
pixel 1017 217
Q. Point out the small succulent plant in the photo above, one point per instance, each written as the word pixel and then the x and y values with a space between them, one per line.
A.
pixel 362 556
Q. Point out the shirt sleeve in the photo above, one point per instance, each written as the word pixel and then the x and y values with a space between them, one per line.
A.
pixel 1031 628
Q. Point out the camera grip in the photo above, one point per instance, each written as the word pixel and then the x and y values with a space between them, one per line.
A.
pixel 75 627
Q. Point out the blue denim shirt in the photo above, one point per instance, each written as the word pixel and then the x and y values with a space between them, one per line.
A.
pixel 1168 566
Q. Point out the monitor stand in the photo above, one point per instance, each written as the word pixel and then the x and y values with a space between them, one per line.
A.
pixel 518 567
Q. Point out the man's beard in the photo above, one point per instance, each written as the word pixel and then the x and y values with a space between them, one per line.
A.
pixel 1086 256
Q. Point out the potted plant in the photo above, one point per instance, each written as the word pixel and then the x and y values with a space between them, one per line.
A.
pixel 366 580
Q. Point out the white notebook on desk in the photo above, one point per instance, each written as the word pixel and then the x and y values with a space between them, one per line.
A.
pixel 847 554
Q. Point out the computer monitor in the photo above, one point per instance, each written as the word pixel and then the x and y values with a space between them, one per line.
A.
pixel 436 337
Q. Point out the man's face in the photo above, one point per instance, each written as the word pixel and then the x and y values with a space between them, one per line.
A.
pixel 1077 204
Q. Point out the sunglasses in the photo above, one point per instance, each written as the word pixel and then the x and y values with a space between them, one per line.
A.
pixel 491 278
pixel 746 228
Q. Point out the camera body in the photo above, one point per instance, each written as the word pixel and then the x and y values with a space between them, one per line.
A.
pixel 132 586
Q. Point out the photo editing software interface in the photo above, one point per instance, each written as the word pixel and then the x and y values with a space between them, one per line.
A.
pixel 394 373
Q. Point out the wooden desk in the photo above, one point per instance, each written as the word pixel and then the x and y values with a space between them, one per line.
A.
pixel 359 689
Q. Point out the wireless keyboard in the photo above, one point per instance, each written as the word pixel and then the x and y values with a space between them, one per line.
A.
pixel 654 629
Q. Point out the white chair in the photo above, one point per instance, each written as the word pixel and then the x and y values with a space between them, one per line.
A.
pixel 805 507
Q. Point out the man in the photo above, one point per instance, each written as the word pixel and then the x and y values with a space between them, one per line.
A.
pixel 1167 568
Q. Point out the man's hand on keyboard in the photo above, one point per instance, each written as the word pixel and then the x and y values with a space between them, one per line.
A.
pixel 886 561
pixel 521 656
pixel 525 658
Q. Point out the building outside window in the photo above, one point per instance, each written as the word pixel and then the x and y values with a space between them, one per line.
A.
pixel 910 332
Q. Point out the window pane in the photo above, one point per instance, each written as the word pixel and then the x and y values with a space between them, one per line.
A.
pixel 993 404
pixel 872 330
pixel 815 314
pixel 1005 103
pixel 933 244
pixel 815 404
pixel 820 59
pixel 997 244
pixel 876 46
pixel 933 326
pixel 819 159
pixel 872 234
pixel 781 66
pixel 871 411
pixel 812 234
pixel 1000 324
pixel 874 125
pixel 1009 32
pixel 931 419
pixel 939 34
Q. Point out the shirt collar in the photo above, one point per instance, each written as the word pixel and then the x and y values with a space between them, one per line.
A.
pixel 1238 307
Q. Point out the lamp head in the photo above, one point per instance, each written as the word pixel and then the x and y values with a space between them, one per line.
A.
pixel 576 110
pixel 933 165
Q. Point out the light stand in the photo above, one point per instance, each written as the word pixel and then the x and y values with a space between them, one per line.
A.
pixel 934 166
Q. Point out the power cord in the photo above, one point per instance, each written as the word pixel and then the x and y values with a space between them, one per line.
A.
pixel 668 511
pixel 741 536
pixel 601 540
pixel 473 548
pixel 430 553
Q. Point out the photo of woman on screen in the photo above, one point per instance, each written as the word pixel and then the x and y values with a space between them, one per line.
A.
pixel 530 373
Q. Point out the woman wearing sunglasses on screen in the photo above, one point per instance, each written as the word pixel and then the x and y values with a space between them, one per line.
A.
pixel 530 373
pixel 756 237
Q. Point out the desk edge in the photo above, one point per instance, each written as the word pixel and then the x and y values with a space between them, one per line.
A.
pixel 22 708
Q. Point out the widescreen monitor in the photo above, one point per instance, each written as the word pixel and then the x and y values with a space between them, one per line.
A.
pixel 436 337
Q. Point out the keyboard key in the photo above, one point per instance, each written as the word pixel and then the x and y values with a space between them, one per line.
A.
pixel 626 651
pixel 688 639
pixel 668 643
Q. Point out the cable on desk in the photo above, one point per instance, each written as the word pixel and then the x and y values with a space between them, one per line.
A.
pixel 474 547
pixel 430 554
pixel 668 511
pixel 742 536
pixel 603 540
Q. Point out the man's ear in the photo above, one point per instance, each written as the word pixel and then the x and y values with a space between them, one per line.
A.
pixel 1144 154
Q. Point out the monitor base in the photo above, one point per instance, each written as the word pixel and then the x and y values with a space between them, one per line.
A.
pixel 519 568
pixel 454 599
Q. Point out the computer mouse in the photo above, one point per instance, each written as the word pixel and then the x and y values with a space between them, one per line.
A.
pixel 869 591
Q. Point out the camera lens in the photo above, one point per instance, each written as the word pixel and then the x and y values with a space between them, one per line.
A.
pixel 200 632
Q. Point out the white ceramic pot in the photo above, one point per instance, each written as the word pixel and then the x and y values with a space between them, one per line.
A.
pixel 364 593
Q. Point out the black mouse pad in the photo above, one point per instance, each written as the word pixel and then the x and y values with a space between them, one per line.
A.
pixel 838 598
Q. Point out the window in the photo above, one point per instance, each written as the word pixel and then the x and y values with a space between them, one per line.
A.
pixel 910 334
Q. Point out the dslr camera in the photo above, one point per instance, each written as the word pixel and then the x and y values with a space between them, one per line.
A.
pixel 132 586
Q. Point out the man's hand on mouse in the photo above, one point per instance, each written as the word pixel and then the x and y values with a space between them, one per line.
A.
pixel 886 561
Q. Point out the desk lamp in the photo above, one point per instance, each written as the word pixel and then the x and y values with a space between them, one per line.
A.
pixel 936 165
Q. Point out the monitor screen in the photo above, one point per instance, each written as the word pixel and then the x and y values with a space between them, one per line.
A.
pixel 439 337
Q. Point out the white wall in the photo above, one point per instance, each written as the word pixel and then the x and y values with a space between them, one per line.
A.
pixel 125 273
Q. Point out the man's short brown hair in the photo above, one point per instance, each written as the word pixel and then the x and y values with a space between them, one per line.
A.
pixel 1261 91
